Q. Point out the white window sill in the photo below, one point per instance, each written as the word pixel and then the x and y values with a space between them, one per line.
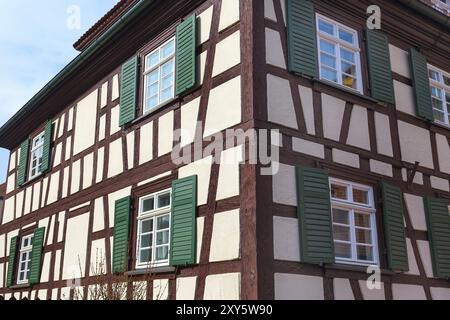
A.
pixel 154 270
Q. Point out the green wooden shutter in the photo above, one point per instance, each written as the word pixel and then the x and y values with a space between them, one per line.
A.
pixel 394 227
pixel 128 91
pixel 186 61
pixel 11 262
pixel 184 222
pixel 121 234
pixel 36 256
pixel 22 172
pixel 314 213
pixel 380 71
pixel 438 221
pixel 46 156
pixel 301 37
pixel 421 85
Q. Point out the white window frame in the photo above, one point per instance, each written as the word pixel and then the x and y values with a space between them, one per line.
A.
pixel 440 85
pixel 25 250
pixel 351 206
pixel 34 150
pixel 149 70
pixel 335 40
pixel 154 215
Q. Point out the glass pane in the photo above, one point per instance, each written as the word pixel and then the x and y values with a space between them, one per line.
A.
pixel 152 102
pixel 436 92
pixel 146 241
pixel 326 27
pixel 343 250
pixel 447 80
pixel 148 204
pixel 153 77
pixel 349 81
pixel 348 55
pixel 145 255
pixel 168 49
pixel 328 60
pixel 153 60
pixel 433 75
pixel 339 192
pixel 147 226
pixel 167 82
pixel 360 196
pixel 447 97
pixel 346 36
pixel 167 68
pixel 341 216
pixel 327 47
pixel 437 104
pixel 164 200
pixel 438 115
pixel 362 220
pixel 162 238
pixel 365 253
pixel 163 222
pixel 329 75
pixel 152 90
pixel 167 94
pixel 363 236
pixel 162 253
pixel 341 233
pixel 349 68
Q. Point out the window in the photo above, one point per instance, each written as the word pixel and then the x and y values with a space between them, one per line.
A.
pixel 159 76
pixel 440 95
pixel 354 227
pixel 37 153
pixel 339 54
pixel 154 230
pixel 26 247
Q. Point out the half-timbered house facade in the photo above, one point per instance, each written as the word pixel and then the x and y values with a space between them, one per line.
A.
pixel 99 192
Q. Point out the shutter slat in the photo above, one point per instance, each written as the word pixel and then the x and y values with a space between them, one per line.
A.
pixel 128 91
pixel 22 172
pixel 121 234
pixel 394 228
pixel 36 256
pixel 186 62
pixel 301 37
pixel 184 222
pixel 421 85
pixel 380 71
pixel 438 222
pixel 46 155
pixel 314 213
pixel 11 261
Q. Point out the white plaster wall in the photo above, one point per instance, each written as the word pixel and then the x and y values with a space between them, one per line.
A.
pixel 200 228
pixel 76 171
pixel 439 183
pixel 342 289
pixel 308 147
pixel 85 123
pixel 404 97
pixel 298 287
pixel 161 289
pixel 11 183
pixel 418 177
pixel 165 133
pixel 382 168
pixel 280 106
pixel 8 210
pixel 228 53
pixel 416 211
pixel 412 136
pixel 19 204
pixel 202 61
pixel 358 134
pixel 65 186
pixel 2 245
pixel 100 164
pixel 115 88
pixel 269 10
pixel 88 170
pixel 346 158
pixel 46 267
pixel 130 150
pixel 61 126
pixel 286 244
pixel 274 49
pixel 115 115
pixel 58 154
pixel 425 256
pixel 440 293
pixel 12 161
pixel 68 148
pixel 383 134
pixel 186 288
pixel 2 276
pixel 399 61
pixel 112 198
pixel 223 287
pixel 413 268
pixel 98 258
pixel 27 207
pixel 229 13
pixel 102 128
pixel 333 114
pixel 407 292
pixel 224 107
pixel 57 273
pixel 189 117
pixel 204 24
pixel 75 247
pixel 202 169
pixel 61 219
pixel 284 186
pixel 104 95
pixel 99 215
pixel 225 240
pixel 146 143
pixel 115 166
pixel 70 119
pixel 229 172
pixel 443 153
pixel 306 96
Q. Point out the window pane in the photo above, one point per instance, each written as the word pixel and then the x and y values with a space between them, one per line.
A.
pixel 341 233
pixel 349 68
pixel 153 77
pixel 328 60
pixel 167 82
pixel 346 36
pixel 162 238
pixel 167 69
pixel 147 226
pixel 327 47
pixel 152 102
pixel 360 196
pixel 146 241
pixel 438 115
pixel 349 81
pixel 340 216
pixel 343 250
pixel 363 236
pixel 168 49
pixel 167 94
pixel 436 92
pixel 447 97
pixel 434 75
pixel 329 75
pixel 162 253
pixel 152 90
pixel 339 192
pixel 348 55
pixel 365 253
pixel 164 200
pixel 362 220
pixel 145 255
pixel 153 60
pixel 326 27
pixel 163 222
pixel 447 80
pixel 437 104
pixel 148 204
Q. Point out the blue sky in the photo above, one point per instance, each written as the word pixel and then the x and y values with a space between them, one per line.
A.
pixel 35 44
